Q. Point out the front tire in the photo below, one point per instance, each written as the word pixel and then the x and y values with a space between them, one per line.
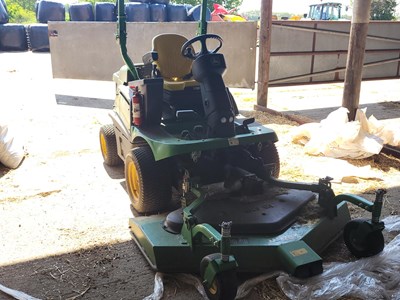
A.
pixel 147 181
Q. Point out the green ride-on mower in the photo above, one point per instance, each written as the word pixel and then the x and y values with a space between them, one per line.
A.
pixel 203 180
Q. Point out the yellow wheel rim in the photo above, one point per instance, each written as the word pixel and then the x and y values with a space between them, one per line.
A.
pixel 133 180
pixel 103 146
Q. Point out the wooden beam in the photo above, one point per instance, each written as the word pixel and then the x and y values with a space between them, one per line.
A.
pixel 264 52
pixel 355 57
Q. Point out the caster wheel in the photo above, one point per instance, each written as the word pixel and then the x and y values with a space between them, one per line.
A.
pixel 224 285
pixel 362 239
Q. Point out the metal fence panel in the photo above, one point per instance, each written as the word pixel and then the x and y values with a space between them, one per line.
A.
pixel 316 51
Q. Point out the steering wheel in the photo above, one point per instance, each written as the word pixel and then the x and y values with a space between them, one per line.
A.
pixel 187 50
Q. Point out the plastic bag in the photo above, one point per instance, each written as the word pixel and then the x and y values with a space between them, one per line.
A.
pixel 392 223
pixel 336 137
pixel 219 9
pixel 16 294
pixel 185 278
pixel 11 148
pixel 375 277
pixel 390 134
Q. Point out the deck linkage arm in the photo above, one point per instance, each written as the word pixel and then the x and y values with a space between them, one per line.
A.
pixel 329 201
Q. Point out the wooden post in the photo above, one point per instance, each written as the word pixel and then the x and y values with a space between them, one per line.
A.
pixel 355 56
pixel 264 51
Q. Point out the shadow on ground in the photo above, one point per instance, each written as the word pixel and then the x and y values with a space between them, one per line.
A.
pixel 106 272
pixel 84 101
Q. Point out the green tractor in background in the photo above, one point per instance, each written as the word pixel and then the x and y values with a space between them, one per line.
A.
pixel 202 179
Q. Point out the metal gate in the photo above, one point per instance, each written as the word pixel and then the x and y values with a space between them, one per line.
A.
pixel 316 51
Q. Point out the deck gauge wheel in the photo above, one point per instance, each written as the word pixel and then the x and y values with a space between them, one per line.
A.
pixel 362 239
pixel 224 285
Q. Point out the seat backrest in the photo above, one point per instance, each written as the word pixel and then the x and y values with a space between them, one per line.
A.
pixel 171 63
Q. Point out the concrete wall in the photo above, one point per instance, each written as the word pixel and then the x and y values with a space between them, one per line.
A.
pixel 88 50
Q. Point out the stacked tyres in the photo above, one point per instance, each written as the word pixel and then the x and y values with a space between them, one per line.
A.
pixel 38 37
pixel 137 12
pixel 81 12
pixel 105 12
pixel 3 12
pixel 176 12
pixel 13 37
pixel 158 12
pixel 50 11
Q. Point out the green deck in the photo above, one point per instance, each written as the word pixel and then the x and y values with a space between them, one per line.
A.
pixel 168 252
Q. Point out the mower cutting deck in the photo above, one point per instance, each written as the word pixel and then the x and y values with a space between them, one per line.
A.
pixel 263 234
pixel 202 179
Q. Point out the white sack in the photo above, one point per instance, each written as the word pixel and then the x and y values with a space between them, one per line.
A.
pixel 11 147
pixel 336 137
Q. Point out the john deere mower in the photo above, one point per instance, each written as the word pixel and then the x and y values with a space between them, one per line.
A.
pixel 203 180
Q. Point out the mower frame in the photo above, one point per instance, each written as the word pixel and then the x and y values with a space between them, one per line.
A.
pixel 182 239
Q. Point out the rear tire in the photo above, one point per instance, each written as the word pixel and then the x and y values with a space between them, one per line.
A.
pixel 108 145
pixel 148 181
